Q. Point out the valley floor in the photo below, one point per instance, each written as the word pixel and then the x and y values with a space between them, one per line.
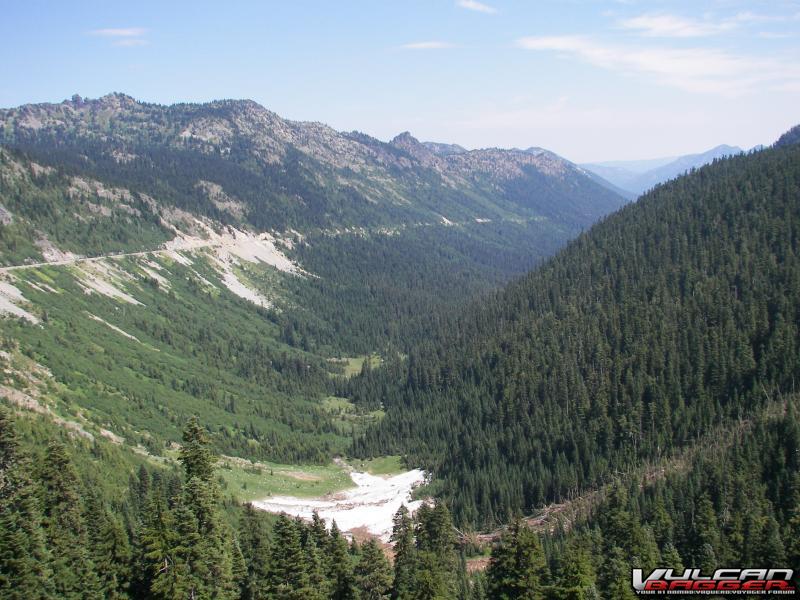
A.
pixel 369 506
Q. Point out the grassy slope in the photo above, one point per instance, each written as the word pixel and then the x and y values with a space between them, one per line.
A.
pixel 257 480
pixel 199 351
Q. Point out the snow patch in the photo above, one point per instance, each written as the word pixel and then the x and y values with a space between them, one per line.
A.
pixel 154 265
pixel 32 404
pixel 43 287
pixel 6 217
pixel 204 281
pixel 371 504
pixel 111 436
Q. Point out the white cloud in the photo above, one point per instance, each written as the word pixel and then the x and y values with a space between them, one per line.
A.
pixel 674 26
pixel 476 6
pixel 431 45
pixel 704 70
pixel 123 32
pixel 123 36
pixel 664 25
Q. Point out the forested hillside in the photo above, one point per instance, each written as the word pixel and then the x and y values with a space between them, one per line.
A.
pixel 735 501
pixel 672 316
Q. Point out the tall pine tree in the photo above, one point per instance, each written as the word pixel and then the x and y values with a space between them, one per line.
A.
pixel 74 574
pixel 24 561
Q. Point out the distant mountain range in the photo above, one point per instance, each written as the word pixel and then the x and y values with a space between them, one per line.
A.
pixel 638 176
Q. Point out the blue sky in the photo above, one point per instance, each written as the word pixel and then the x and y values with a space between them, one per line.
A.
pixel 590 80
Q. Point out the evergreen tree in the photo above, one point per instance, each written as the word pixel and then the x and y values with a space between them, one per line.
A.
pixel 74 574
pixel 177 567
pixel 190 549
pixel 480 587
pixel 165 536
pixel 110 550
pixel 576 572
pixel 340 564
pixel 430 583
pixel 254 543
pixel 706 534
pixel 320 585
pixel 771 547
pixel 24 560
pixel 793 537
pixel 518 568
pixel 318 531
pixel 288 572
pixel 239 569
pixel 436 552
pixel 196 456
pixel 211 557
pixel 615 575
pixel 373 573
pixel 405 555
pixel 671 558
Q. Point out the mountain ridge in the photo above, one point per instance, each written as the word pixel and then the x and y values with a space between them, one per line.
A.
pixel 403 174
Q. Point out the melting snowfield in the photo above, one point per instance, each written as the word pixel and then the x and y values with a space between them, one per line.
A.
pixel 371 504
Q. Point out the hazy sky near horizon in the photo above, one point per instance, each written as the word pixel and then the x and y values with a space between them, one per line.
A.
pixel 587 79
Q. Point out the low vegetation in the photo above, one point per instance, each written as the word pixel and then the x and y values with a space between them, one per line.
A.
pixel 246 480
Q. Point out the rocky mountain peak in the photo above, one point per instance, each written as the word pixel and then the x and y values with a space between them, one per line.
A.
pixel 114 101
pixel 405 140
pixel 408 143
